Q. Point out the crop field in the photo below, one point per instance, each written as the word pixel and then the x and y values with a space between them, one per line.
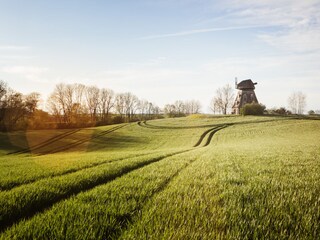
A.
pixel 186 178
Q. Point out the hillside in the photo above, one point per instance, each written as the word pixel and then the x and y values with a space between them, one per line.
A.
pixel 186 178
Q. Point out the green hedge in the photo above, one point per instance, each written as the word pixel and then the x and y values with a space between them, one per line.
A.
pixel 253 109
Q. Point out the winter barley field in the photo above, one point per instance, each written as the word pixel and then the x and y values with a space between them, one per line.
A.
pixel 186 178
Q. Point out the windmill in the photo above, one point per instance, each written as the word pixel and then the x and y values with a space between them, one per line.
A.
pixel 245 95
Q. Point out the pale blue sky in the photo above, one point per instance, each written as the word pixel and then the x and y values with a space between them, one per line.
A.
pixel 163 50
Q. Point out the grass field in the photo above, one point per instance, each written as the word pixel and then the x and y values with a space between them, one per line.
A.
pixel 186 178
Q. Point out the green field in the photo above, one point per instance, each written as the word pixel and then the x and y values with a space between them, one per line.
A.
pixel 186 178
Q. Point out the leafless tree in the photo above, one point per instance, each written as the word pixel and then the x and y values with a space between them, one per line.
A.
pixel 170 110
pixel 106 102
pixel 297 102
pixel 215 106
pixel 179 107
pixel 192 107
pixel 79 106
pixel 150 109
pixel 156 110
pixel 131 104
pixel 222 100
pixel 3 89
pixel 31 102
pixel 56 103
pixel 69 97
pixel 143 106
pixel 67 102
pixel 92 97
pixel 119 104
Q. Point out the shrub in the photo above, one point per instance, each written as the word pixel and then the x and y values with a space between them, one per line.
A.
pixel 253 109
pixel 311 112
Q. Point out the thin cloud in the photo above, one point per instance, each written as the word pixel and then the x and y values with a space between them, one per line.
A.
pixel 13 48
pixel 33 73
pixel 197 31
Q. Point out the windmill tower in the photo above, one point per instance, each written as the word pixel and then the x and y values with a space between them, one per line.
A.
pixel 245 95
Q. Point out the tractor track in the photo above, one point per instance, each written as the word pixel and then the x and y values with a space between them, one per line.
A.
pixel 15 185
pixel 211 131
pixel 147 125
pixel 203 135
pixel 45 143
pixel 129 218
pixel 81 141
pixel 55 139
pixel 40 205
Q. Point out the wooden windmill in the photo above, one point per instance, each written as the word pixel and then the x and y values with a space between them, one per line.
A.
pixel 245 95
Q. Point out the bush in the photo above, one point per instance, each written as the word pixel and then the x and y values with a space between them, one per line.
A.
pixel 311 112
pixel 279 111
pixel 117 120
pixel 253 109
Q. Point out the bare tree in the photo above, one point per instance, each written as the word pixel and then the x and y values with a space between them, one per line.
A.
pixel 170 110
pixel 179 107
pixel 31 102
pixel 92 97
pixel 67 102
pixel 297 102
pixel 3 89
pixel 69 95
pixel 119 104
pixel 79 106
pixel 131 104
pixel 222 100
pixel 150 109
pixel 57 104
pixel 215 106
pixel 143 106
pixel 156 110
pixel 192 107
pixel 106 102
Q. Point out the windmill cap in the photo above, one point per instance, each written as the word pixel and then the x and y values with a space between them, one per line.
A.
pixel 246 84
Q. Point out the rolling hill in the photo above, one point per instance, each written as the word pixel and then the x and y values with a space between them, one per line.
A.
pixel 186 178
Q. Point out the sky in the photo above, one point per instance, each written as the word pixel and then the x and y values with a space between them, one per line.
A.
pixel 163 50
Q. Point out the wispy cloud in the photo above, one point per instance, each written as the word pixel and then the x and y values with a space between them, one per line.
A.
pixel 33 73
pixel 13 48
pixel 204 30
pixel 297 22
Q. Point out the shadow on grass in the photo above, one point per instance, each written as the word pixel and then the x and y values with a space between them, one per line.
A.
pixel 12 141
pixel 116 141
pixel 69 141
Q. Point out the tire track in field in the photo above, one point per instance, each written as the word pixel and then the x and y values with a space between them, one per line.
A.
pixel 125 220
pixel 45 143
pixel 203 135
pixel 80 141
pixel 212 131
pixel 147 125
pixel 15 185
pixel 39 205
pixel 43 204
pixel 12 186
pixel 211 135
pixel 129 218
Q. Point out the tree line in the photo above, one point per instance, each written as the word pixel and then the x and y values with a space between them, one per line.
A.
pixel 78 105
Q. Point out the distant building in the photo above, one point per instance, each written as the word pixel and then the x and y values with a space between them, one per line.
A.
pixel 245 95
